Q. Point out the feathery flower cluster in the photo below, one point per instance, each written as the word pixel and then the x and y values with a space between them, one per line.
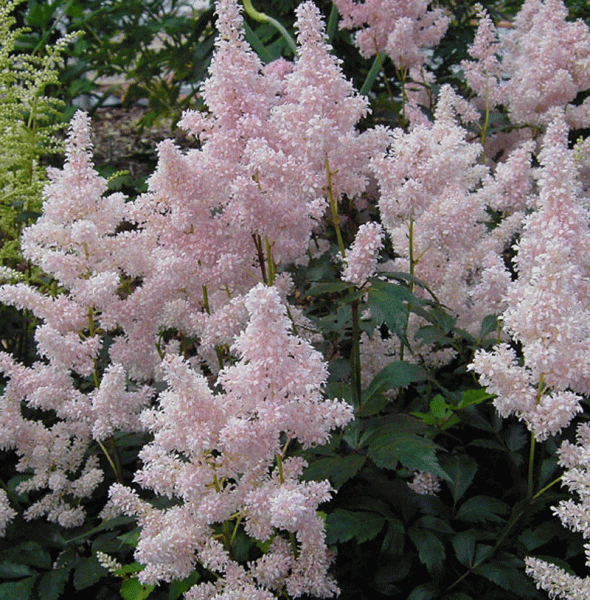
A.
pixel 545 63
pixel 361 259
pixel 430 205
pixel 548 310
pixel 7 513
pixel 222 456
pixel 399 28
pixel 76 241
pixel 574 514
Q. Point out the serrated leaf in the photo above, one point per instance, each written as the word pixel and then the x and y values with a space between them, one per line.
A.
pixel 431 550
pixel 438 407
pixel 387 447
pixel 17 590
pixel 489 324
pixel 461 469
pixel 482 508
pixel 508 576
pixel 88 572
pixel 388 303
pixel 52 584
pixel 430 334
pixel 10 570
pixel 395 375
pixel 338 469
pixel 464 546
pixel 31 553
pixel 344 525
pixel 327 287
pixel 394 540
pixel 131 589
pixel 425 591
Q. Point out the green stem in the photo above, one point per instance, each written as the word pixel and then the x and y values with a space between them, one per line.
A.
pixel 531 467
pixel 269 261
pixel 411 281
pixel 264 18
pixel 334 209
pixel 355 356
pixel 112 462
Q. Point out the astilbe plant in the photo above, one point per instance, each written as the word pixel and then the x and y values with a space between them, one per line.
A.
pixel 75 240
pixel 169 318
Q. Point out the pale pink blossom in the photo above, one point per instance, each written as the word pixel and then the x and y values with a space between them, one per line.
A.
pixel 401 29
pixel 425 483
pixel 361 259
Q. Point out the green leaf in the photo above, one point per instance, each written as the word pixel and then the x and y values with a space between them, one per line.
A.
pixel 509 575
pixel 395 375
pixel 10 570
pixel 488 325
pixel 327 287
pixel 387 447
pixel 431 550
pixel 344 525
pixel 131 589
pixel 52 584
pixel 88 572
pixel 471 397
pixel 461 469
pixel 178 588
pixel 33 554
pixel 425 591
pixel 464 545
pixel 482 508
pixel 388 303
pixel 18 590
pixel 338 469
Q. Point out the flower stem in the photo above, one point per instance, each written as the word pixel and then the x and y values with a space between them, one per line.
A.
pixel 264 18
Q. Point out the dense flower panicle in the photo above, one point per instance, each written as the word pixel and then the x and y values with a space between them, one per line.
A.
pixel 216 453
pixel 76 241
pixel 547 306
pixel 361 259
pixel 547 60
pixel 574 514
pixel 432 208
pixel 556 582
pixel 484 73
pixel 399 28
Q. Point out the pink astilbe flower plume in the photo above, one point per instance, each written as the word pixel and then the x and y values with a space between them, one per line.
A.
pixel 76 241
pixel 548 311
pixel 400 28
pixel 222 456
pixel 547 62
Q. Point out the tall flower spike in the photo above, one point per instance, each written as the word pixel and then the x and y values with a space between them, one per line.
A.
pixel 222 457
pixel 548 310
